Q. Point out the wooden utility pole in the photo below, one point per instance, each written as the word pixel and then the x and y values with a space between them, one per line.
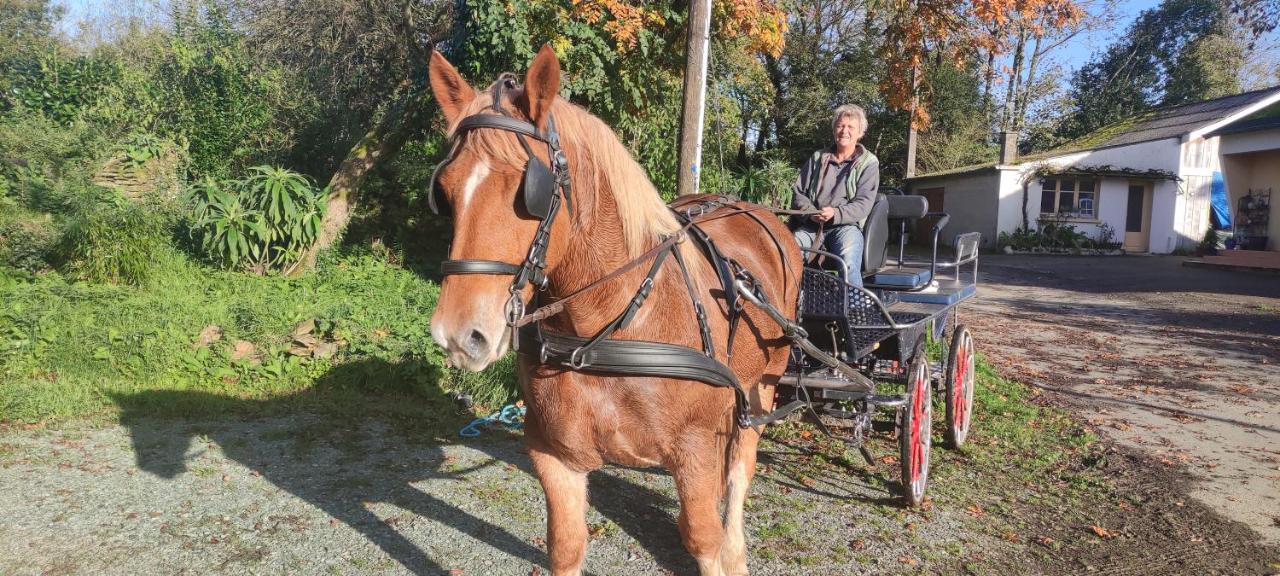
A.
pixel 911 123
pixel 695 95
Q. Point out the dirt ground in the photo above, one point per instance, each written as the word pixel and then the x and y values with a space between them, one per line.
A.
pixel 1181 363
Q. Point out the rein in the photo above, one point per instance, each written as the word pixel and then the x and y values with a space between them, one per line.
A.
pixel 549 310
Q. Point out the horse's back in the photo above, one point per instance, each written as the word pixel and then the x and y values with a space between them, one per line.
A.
pixel 752 236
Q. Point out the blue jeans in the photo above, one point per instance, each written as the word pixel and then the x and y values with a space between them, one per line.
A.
pixel 843 241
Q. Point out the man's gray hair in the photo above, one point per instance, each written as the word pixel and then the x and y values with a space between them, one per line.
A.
pixel 853 111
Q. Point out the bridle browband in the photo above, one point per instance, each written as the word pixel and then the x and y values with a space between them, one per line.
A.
pixel 544 189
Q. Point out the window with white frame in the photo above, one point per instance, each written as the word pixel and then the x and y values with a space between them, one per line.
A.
pixel 1069 196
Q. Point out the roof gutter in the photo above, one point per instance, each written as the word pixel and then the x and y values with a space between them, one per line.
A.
pixel 1237 115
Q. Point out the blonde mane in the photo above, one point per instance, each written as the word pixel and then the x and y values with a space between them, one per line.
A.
pixel 597 161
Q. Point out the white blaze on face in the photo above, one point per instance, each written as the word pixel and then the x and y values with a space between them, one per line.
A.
pixel 478 173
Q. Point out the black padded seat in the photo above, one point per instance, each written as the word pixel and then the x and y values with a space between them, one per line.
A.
pixel 875 236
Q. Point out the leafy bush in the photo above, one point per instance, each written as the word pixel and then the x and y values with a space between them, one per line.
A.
pixel 259 223
pixel 1209 244
pixel 26 244
pixel 117 243
pixel 59 85
pixel 769 184
pixel 1052 235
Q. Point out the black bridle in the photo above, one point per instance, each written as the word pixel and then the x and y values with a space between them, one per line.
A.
pixel 544 189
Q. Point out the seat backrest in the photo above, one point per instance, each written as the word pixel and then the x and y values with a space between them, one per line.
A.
pixel 910 207
pixel 875 235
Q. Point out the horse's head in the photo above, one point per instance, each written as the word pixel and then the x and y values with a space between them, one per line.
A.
pixel 498 197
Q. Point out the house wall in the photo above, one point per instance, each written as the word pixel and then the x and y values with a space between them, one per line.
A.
pixel 1192 205
pixel 970 200
pixel 1113 192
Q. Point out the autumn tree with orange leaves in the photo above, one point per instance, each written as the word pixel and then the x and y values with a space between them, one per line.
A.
pixel 957 30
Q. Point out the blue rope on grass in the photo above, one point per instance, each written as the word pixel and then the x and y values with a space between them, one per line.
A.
pixel 511 416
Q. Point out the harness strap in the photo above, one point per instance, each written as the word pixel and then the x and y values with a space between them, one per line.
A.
pixel 577 357
pixel 708 347
pixel 450 267
pixel 635 358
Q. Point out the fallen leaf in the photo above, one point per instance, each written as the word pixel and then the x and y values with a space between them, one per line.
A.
pixel 909 561
pixel 324 350
pixel 304 327
pixel 1102 533
pixel 976 511
pixel 1044 541
pixel 241 350
pixel 209 335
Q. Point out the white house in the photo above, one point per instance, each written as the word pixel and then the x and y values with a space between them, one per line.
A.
pixel 1146 181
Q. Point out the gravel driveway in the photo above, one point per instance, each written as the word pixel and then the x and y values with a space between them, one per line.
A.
pixel 1183 363
pixel 297 495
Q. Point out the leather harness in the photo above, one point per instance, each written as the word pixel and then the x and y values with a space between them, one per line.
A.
pixel 544 190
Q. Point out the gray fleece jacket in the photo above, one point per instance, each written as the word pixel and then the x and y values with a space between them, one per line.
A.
pixel 823 182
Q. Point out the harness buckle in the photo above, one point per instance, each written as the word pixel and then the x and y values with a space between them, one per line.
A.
pixel 577 359
pixel 515 308
pixel 543 354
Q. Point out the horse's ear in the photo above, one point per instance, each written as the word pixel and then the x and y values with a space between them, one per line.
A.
pixel 541 85
pixel 450 88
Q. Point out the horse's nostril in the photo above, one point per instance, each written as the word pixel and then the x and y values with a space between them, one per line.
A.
pixel 476 344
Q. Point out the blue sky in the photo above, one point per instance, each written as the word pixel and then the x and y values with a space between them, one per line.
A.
pixel 1071 55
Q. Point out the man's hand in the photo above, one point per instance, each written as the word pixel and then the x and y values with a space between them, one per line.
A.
pixel 825 215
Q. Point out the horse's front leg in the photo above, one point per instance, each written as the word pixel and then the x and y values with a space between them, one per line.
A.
pixel 733 554
pixel 700 482
pixel 566 492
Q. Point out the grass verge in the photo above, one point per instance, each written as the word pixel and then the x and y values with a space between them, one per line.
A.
pixel 352 338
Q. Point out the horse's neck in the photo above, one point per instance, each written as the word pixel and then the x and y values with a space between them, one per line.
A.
pixel 596 250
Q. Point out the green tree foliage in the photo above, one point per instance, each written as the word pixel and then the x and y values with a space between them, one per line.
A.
pixel 200 85
pixel 1171 54
pixel 60 85
pixel 1208 68
pixel 957 135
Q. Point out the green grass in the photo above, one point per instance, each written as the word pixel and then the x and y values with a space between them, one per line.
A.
pixel 1018 453
pixel 77 349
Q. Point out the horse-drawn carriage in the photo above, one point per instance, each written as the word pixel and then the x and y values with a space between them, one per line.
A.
pixel 551 212
pixel 861 342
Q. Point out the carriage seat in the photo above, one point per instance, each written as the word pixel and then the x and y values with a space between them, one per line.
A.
pixel 875 234
pixel 898 207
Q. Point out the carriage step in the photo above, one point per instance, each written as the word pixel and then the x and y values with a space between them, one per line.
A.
pixel 825 382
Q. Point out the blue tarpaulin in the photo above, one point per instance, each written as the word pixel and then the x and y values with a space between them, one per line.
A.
pixel 1221 215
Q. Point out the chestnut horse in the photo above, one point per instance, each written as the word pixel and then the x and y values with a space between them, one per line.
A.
pixel 579 420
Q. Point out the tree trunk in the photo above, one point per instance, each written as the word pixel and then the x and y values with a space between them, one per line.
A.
pixel 380 143
pixel 1015 80
pixel 1024 96
pixel 988 77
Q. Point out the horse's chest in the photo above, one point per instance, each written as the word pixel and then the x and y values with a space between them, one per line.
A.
pixel 592 426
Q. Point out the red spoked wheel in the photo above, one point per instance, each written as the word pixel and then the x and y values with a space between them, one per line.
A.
pixel 961 377
pixel 915 425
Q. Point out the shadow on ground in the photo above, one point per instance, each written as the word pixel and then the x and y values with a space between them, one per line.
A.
pixel 341 464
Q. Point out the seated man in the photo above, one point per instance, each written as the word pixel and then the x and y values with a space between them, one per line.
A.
pixel 841 182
